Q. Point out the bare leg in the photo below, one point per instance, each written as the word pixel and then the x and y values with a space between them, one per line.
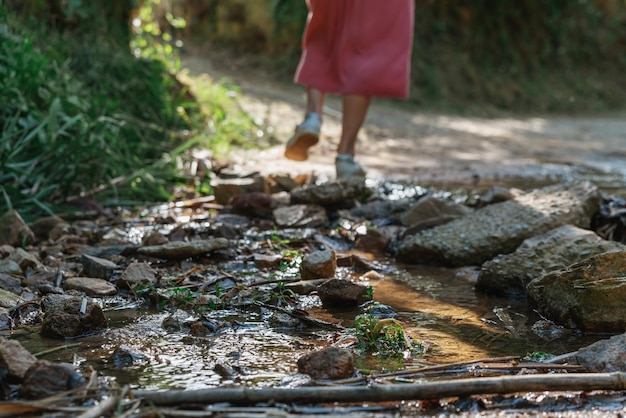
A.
pixel 355 109
pixel 314 100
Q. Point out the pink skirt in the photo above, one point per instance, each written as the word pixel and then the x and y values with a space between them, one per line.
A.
pixel 358 47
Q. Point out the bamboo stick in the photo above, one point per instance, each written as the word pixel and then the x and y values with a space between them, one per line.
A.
pixel 397 392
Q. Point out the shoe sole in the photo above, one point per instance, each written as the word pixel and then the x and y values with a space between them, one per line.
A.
pixel 298 147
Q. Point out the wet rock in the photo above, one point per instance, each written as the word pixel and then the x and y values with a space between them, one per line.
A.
pixel 589 295
pixel 379 310
pixel 429 208
pixel 358 263
pixel 97 267
pixel 154 238
pixel 45 379
pixel 500 228
pixel 48 288
pixel 6 250
pixel 283 321
pixel 53 299
pixel 184 249
pixel 124 356
pixel 137 273
pixel 224 189
pixel 49 227
pixel 10 283
pixel 300 216
pixel 253 204
pixel 334 194
pixel 14 231
pixel 230 225
pixel 380 209
pixel 319 265
pixel 6 321
pixel 10 267
pixel 24 259
pixel 65 320
pixel 342 293
pixel 14 359
pixel 496 194
pixel 267 261
pixel 373 241
pixel 604 356
pixel 557 249
pixel 176 322
pixel 304 287
pixel 8 299
pixel 225 370
pixel 90 286
pixel 106 251
pixel 329 363
pixel 198 329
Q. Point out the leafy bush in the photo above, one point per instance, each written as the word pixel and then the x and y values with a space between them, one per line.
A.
pixel 81 116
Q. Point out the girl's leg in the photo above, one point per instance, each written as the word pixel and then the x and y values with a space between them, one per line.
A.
pixel 355 109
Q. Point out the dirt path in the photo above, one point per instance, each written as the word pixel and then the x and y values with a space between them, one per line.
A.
pixel 398 142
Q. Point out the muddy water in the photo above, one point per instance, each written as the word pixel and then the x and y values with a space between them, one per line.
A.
pixel 436 305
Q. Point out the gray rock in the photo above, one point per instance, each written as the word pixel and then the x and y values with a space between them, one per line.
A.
pixel 24 259
pixel 184 249
pixel 380 209
pixel 329 363
pixel 10 283
pixel 14 359
pixel 8 299
pixel 97 267
pixel 125 356
pixel 319 265
pixel 90 286
pixel 557 249
pixel 10 267
pixel 428 208
pixel 604 356
pixel 500 228
pixel 14 231
pixel 328 194
pixel 588 295
pixel 6 321
pixel 65 320
pixel 300 216
pixel 137 273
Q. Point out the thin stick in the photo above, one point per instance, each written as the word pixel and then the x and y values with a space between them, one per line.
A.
pixel 379 393
pixel 52 350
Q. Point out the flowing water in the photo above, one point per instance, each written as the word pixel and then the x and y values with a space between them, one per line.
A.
pixel 436 305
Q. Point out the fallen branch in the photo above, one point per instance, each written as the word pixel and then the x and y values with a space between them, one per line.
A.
pixel 302 316
pixel 397 392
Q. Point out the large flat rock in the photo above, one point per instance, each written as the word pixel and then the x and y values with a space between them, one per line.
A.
pixel 500 228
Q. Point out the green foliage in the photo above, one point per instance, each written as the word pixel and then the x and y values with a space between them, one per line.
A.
pixel 82 116
pixel 541 55
pixel 79 117
pixel 385 337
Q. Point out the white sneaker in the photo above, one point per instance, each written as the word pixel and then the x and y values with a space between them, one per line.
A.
pixel 307 134
pixel 348 168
